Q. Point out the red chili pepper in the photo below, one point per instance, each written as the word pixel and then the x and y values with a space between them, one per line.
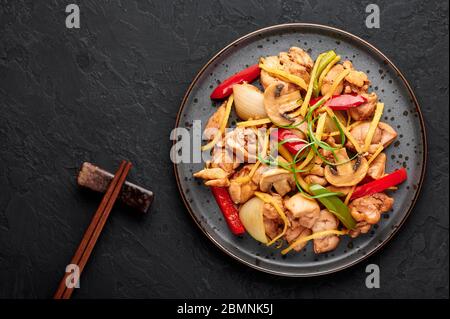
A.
pixel 228 209
pixel 342 102
pixel 345 101
pixel 314 100
pixel 226 87
pixel 379 185
pixel 282 134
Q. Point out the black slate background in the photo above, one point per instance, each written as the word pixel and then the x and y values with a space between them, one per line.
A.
pixel 111 90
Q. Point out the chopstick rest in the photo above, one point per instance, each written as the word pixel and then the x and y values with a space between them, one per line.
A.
pixel 97 179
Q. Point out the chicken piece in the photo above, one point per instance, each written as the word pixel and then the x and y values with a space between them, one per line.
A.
pixel 328 155
pixel 211 173
pixel 273 227
pixel 326 221
pixel 328 80
pixel 369 208
pixel 296 232
pixel 214 121
pixel 314 179
pixel 301 127
pixel 377 167
pixel 347 64
pixel 224 159
pixel 357 78
pixel 220 182
pixel 366 110
pixel 388 134
pixel 367 211
pixel 332 142
pixel 265 78
pixel 305 210
pixel 297 62
pixel 360 131
pixel 384 134
pixel 245 144
pixel 355 81
pixel 360 228
pixel 273 223
pixel 241 192
pixel 213 177
pixel 269 210
pixel 301 57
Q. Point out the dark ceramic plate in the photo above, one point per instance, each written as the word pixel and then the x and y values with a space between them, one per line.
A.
pixel 401 112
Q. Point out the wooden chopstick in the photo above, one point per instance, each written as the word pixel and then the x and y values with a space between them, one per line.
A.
pixel 100 225
pixel 91 235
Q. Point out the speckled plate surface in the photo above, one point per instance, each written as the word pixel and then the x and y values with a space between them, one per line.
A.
pixel 401 112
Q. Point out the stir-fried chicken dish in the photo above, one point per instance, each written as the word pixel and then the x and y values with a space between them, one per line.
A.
pixel 306 161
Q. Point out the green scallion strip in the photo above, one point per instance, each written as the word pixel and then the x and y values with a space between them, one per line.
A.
pixel 326 59
pixel 341 131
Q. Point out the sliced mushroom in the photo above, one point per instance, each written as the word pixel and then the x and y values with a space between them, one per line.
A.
pixel 314 179
pixel 257 175
pixel 317 169
pixel 277 103
pixel 280 179
pixel 348 173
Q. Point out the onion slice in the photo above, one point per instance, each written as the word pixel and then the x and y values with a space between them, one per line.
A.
pixel 248 101
pixel 251 216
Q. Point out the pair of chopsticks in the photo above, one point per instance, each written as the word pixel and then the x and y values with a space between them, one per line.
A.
pixel 91 235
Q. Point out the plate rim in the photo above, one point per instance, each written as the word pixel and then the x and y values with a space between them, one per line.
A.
pixel 423 135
